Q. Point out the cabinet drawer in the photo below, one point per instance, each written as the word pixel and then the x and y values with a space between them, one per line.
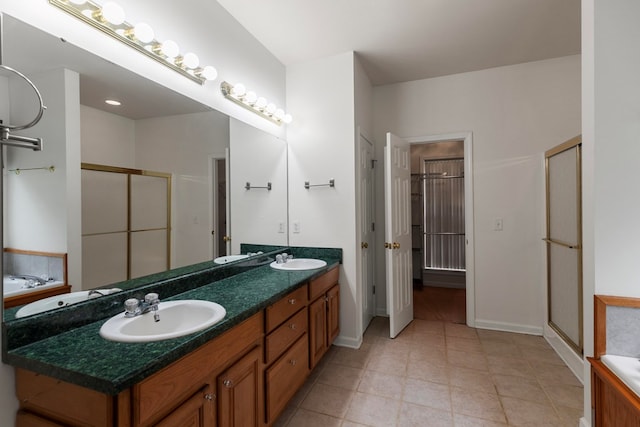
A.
pixel 283 309
pixel 285 335
pixel 286 376
pixel 321 284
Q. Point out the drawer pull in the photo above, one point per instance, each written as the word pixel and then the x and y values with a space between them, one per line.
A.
pixel 292 326
pixel 293 362
pixel 228 383
pixel 209 396
pixel 292 301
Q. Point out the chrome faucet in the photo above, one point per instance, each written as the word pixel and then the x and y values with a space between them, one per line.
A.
pixel 283 258
pixel 134 307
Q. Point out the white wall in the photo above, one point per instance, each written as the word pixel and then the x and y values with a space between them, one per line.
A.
pixel 515 113
pixel 321 146
pixel 257 215
pixel 205 28
pixel 611 114
pixel 107 139
pixel 183 146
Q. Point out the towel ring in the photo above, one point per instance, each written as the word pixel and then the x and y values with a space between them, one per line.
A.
pixel 42 107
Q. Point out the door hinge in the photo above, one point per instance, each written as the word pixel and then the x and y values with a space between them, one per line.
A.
pixel 374 290
pixel 373 226
pixel 373 163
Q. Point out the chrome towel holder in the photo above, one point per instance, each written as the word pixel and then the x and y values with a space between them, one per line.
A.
pixel 6 136
pixel 249 187
pixel 332 183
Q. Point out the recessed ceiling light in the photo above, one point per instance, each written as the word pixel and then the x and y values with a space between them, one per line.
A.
pixel 112 102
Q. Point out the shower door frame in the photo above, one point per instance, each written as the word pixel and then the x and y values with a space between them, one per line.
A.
pixel 576 145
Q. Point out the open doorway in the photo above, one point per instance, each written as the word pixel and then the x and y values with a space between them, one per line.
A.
pixel 438 230
pixel 219 208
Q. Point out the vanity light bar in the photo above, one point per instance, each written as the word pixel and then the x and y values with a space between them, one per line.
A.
pixel 110 19
pixel 252 102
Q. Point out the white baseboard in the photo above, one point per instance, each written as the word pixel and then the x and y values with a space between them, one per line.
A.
pixel 508 327
pixel 570 358
pixel 349 342
pixel 584 422
pixel 381 312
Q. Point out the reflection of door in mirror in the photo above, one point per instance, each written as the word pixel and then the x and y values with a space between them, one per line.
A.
pixel 219 208
pixel 125 224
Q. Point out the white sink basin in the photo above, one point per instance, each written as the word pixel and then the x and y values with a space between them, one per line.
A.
pixel 299 264
pixel 229 258
pixel 177 318
pixel 62 300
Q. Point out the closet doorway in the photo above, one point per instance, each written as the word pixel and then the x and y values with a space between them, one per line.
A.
pixel 438 230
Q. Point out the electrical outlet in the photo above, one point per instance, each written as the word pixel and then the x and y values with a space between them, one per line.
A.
pixel 296 227
pixel 497 224
pixel 281 227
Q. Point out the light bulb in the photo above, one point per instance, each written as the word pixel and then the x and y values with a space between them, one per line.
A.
pixel 191 60
pixel 143 32
pixel 209 73
pixel 251 97
pixel 271 108
pixel 261 102
pixel 287 118
pixel 170 49
pixel 113 13
pixel 239 90
pixel 78 2
pixel 279 114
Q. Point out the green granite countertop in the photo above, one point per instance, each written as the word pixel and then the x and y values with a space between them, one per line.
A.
pixel 80 356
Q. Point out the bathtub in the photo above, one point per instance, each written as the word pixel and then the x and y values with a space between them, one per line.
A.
pixel 13 287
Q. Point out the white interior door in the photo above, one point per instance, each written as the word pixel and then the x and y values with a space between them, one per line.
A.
pixel 397 181
pixel 366 229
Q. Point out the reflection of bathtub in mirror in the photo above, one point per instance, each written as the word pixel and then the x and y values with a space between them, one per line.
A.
pixel 18 291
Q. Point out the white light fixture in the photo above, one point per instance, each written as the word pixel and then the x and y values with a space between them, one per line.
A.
pixel 113 102
pixel 141 32
pixel 110 19
pixel 112 13
pixel 251 101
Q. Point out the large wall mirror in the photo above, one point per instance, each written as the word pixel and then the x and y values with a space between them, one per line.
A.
pixel 208 157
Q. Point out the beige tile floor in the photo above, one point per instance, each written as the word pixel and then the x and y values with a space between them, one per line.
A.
pixel 439 374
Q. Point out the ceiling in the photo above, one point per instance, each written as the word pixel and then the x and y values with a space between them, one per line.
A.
pixel 404 40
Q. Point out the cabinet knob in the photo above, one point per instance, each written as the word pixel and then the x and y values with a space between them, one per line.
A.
pixel 228 383
pixel 293 362
pixel 292 326
pixel 209 396
pixel 292 301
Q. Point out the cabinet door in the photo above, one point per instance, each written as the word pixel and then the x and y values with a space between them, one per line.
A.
pixel 317 330
pixel 197 411
pixel 333 314
pixel 239 392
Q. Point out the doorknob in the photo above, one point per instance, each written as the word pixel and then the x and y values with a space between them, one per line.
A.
pixel 364 245
pixel 396 245
pixel 387 245
pixel 226 239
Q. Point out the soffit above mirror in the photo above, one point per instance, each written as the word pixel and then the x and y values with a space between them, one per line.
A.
pixel 33 51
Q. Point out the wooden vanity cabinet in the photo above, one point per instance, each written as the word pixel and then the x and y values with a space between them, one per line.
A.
pixel 613 403
pixel 244 377
pixel 286 351
pixel 324 314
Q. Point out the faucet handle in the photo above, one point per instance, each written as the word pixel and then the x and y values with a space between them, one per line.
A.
pixel 131 306
pixel 152 298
